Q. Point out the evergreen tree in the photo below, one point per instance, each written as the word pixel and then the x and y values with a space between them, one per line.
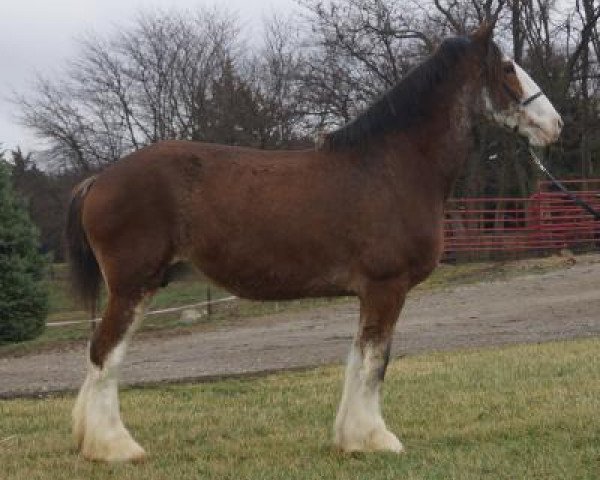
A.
pixel 23 291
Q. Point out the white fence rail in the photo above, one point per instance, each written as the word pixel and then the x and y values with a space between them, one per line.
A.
pixel 153 312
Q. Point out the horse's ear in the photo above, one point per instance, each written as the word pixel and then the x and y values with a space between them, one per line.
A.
pixel 484 34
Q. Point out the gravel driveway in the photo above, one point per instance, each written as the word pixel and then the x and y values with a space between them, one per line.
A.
pixel 561 304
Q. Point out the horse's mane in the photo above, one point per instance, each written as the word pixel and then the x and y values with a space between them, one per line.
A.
pixel 404 105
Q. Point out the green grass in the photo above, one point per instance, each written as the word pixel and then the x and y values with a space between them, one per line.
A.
pixel 520 412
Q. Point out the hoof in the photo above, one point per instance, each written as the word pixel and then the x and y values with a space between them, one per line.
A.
pixel 385 441
pixel 120 449
pixel 375 441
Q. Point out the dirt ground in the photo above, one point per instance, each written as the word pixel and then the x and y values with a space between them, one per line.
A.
pixel 534 308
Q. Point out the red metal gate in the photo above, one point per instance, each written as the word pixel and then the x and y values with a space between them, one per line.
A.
pixel 548 220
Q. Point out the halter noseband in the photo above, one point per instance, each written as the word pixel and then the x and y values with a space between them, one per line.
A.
pixel 522 103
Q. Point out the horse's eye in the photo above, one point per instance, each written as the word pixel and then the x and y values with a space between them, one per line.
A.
pixel 509 68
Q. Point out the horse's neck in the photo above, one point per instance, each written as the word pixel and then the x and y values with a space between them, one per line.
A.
pixel 445 140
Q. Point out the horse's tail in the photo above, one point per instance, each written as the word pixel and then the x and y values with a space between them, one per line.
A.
pixel 84 268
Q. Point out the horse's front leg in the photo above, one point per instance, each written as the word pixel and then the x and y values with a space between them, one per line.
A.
pixel 359 425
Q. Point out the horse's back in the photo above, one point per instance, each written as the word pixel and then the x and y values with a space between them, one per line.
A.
pixel 154 178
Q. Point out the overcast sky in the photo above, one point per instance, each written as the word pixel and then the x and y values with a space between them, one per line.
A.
pixel 39 35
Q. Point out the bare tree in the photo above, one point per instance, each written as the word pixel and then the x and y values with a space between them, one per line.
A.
pixel 274 73
pixel 54 117
pixel 148 83
pixel 185 76
pixel 357 50
pixel 462 15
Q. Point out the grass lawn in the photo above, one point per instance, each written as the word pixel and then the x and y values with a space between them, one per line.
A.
pixel 519 412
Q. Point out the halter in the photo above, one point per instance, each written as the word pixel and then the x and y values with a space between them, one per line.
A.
pixel 522 103
pixel 530 99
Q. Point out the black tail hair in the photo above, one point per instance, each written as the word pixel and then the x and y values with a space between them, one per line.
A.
pixel 84 268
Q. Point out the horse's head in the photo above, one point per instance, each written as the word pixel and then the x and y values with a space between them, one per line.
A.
pixel 509 95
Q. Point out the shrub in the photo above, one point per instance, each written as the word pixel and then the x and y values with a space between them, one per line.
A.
pixel 23 290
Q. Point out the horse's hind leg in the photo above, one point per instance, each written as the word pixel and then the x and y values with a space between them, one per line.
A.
pixel 97 426
pixel 359 425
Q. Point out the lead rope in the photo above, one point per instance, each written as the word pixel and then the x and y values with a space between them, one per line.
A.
pixel 577 200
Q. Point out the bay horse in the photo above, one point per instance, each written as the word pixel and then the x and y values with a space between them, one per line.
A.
pixel 359 215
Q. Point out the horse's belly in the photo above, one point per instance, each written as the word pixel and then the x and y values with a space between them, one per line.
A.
pixel 271 286
pixel 259 278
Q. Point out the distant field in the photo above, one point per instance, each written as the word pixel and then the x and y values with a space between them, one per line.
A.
pixel 521 412
pixel 194 289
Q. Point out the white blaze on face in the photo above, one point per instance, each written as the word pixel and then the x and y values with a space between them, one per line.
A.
pixel 538 120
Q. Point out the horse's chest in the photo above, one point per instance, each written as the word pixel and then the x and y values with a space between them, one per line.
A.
pixel 415 251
